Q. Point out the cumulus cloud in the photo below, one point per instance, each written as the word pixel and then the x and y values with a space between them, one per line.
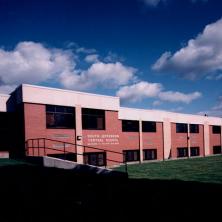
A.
pixel 93 58
pixel 33 63
pixel 139 91
pixel 143 90
pixel 157 103
pixel 201 57
pixel 171 96
pixel 109 75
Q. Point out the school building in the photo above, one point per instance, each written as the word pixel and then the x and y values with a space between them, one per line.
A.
pixel 94 129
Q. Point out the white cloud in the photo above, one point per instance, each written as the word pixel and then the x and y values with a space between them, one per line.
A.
pixel 139 91
pixel 93 58
pixel 7 89
pixel 108 75
pixel 34 63
pixel 85 50
pixel 31 62
pixel 143 90
pixel 201 57
pixel 171 96
pixel 157 103
pixel 177 109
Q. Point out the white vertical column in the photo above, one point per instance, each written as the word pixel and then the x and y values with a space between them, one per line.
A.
pixel 141 140
pixel 166 137
pixel 188 139
pixel 206 139
pixel 79 138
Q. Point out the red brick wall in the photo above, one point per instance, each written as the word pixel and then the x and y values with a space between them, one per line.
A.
pixel 197 139
pixel 215 139
pixel 177 140
pixel 118 140
pixel 35 127
pixel 154 140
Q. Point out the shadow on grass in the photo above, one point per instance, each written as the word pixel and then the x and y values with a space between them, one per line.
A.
pixel 32 193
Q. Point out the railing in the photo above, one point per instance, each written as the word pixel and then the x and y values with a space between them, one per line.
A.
pixel 40 144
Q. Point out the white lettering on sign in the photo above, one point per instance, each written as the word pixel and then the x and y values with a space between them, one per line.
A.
pixel 103 139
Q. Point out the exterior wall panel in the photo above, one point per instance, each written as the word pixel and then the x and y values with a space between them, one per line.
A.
pixel 154 140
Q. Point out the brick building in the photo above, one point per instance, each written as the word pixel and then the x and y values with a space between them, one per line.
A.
pixel 94 128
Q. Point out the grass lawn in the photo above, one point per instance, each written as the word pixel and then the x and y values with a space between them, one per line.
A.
pixel 10 162
pixel 208 169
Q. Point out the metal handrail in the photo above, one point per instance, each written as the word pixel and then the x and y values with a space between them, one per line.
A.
pixel 64 151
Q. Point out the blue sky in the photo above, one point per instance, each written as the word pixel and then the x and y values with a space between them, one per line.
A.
pixel 155 54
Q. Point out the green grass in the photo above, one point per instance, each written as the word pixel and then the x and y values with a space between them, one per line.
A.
pixel 10 162
pixel 208 169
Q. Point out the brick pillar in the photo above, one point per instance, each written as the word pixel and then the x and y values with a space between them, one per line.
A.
pixel 206 139
pixel 79 139
pixel 166 137
pixel 141 140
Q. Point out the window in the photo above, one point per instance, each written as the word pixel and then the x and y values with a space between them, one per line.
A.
pixel 93 119
pixel 131 155
pixel 182 152
pixel 60 117
pixel 216 129
pixel 130 126
pixel 150 154
pixel 216 149
pixel 181 127
pixel 194 128
pixel 95 159
pixel 194 151
pixel 148 126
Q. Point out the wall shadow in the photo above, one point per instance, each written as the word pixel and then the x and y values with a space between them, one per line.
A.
pixel 33 193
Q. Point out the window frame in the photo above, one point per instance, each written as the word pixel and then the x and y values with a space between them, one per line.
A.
pixel 195 147
pixel 148 129
pixel 88 161
pixel 216 131
pixel 184 124
pixel 126 159
pixel 180 148
pixel 215 147
pixel 57 112
pixel 198 129
pixel 93 115
pixel 155 154
pixel 124 124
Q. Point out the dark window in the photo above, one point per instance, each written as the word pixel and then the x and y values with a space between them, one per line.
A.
pixel 216 129
pixel 216 149
pixel 96 159
pixel 131 155
pixel 181 127
pixel 93 119
pixel 130 126
pixel 194 151
pixel 194 128
pixel 148 126
pixel 182 152
pixel 150 154
pixel 60 117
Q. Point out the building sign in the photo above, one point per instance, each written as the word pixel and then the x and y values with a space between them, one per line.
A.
pixel 60 136
pixel 103 139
